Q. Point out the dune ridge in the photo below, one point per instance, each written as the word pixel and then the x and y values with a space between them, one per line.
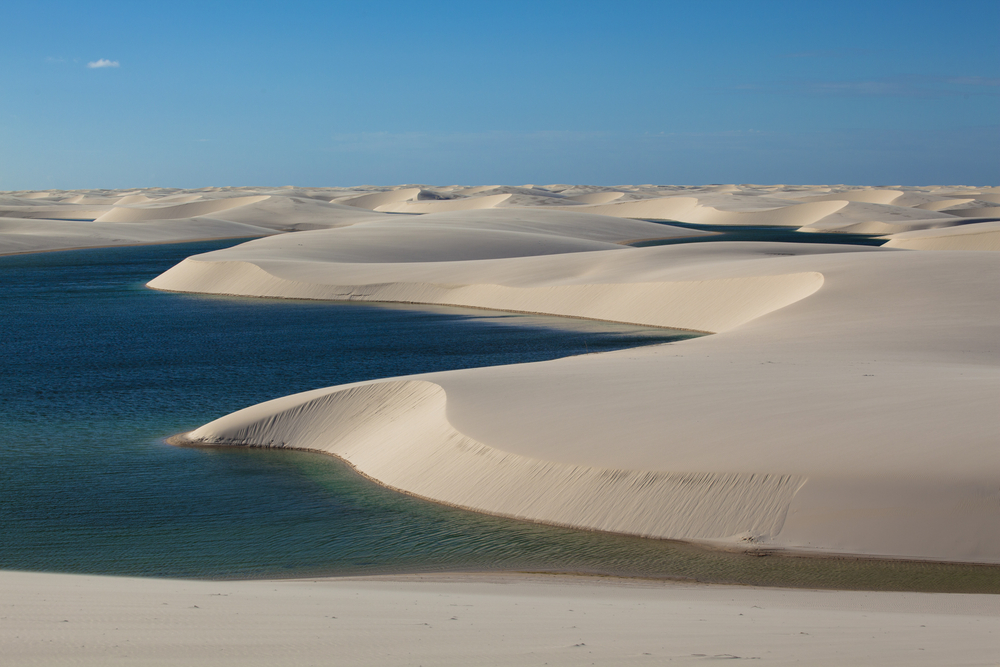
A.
pixel 397 433
pixel 706 305
pixel 842 368
pixel 66 219
pixel 153 211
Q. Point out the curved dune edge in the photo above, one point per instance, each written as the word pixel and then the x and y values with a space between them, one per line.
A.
pixel 709 306
pixel 397 433
pixel 443 206
pixel 981 236
pixel 689 209
pixel 187 210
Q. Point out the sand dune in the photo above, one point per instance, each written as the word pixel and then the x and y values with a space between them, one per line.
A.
pixel 977 212
pixel 987 196
pixel 783 397
pixel 981 236
pixel 666 208
pixel 41 211
pixel 291 213
pixel 596 197
pixel 854 213
pixel 865 196
pixel 376 199
pixel 798 215
pixel 691 209
pixel 464 204
pixel 423 454
pixel 845 404
pixel 812 420
pixel 157 211
pixel 23 235
pixel 152 218
pixel 131 200
pixel 943 204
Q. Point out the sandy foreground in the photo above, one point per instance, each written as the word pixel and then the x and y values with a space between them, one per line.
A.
pixel 48 619
pixel 846 403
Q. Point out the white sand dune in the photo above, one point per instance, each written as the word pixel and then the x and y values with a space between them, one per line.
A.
pixel 855 213
pixel 665 208
pixel 47 211
pixel 137 219
pixel 691 209
pixel 865 196
pixel 36 195
pixel 376 199
pixel 986 196
pixel 943 204
pixel 441 206
pixel 157 211
pixel 131 200
pixel 23 235
pixel 980 236
pixel 977 212
pixel 180 198
pixel 829 395
pixel 596 197
pixel 845 404
pixel 798 215
pixel 292 213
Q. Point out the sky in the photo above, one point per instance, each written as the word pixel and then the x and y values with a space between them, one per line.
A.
pixel 192 94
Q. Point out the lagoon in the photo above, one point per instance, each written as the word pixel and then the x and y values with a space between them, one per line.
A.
pixel 98 370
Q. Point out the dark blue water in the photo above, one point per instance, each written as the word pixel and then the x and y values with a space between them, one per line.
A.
pixel 758 234
pixel 96 370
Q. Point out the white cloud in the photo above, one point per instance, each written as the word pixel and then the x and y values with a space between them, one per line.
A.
pixel 102 63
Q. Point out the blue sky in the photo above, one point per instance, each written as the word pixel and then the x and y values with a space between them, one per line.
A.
pixel 313 94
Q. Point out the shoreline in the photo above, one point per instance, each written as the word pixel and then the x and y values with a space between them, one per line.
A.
pixel 773 337
pixel 710 548
pixel 133 245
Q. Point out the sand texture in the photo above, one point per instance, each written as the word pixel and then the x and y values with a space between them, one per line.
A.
pixel 51 619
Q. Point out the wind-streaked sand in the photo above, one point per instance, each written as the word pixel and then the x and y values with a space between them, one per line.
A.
pixel 846 403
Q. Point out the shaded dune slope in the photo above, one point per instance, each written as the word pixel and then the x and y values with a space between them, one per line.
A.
pixel 397 433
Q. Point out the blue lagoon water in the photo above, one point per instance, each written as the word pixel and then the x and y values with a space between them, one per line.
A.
pixel 97 370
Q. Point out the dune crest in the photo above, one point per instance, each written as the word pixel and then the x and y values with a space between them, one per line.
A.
pixel 397 432
pixel 440 206
pixel 188 210
pixel 704 305
pixel 376 199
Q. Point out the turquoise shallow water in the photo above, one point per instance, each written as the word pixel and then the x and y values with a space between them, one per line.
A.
pixel 97 370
